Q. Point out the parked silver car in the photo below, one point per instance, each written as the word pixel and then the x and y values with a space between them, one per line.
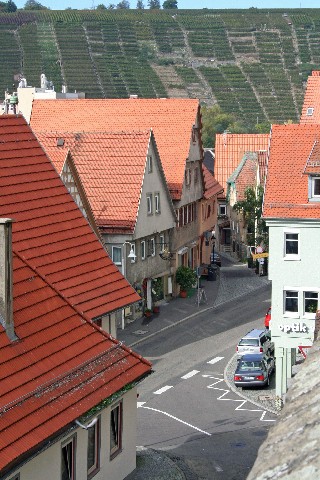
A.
pixel 254 370
pixel 255 341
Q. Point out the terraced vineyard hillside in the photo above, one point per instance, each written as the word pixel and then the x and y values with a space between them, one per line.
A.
pixel 253 63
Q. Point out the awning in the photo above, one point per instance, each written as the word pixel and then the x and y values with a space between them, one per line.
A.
pixel 182 250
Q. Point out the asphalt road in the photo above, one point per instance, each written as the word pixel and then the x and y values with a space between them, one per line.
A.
pixel 186 408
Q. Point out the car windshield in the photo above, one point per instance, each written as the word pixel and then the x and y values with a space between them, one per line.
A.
pixel 249 341
pixel 250 365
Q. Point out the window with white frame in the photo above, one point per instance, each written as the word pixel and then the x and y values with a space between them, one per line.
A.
pixel 161 238
pixel 222 209
pixel 93 450
pixel 149 164
pixel 310 111
pixel 116 430
pixel 314 188
pixel 291 244
pixel 133 249
pixel 152 247
pixel 149 203
pixel 157 202
pixel 291 304
pixel 310 303
pixel 143 249
pixel 117 255
pixel 68 454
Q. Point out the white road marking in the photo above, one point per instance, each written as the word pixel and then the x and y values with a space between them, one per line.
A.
pixel 215 360
pixel 177 419
pixel 190 374
pixel 163 389
pixel 139 404
pixel 242 402
pixel 218 468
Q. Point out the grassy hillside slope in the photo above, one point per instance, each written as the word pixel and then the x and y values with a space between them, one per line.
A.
pixel 253 63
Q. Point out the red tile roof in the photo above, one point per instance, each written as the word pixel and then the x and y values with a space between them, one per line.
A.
pixel 212 187
pixel 111 168
pixel 286 193
pixel 61 366
pixel 49 230
pixel 311 105
pixel 170 119
pixel 230 148
pixel 245 175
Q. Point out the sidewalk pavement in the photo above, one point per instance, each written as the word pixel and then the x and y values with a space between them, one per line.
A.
pixel 159 465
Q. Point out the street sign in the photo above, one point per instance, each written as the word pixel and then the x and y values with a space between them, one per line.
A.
pixel 255 256
pixel 304 350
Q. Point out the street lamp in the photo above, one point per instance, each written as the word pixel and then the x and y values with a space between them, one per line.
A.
pixel 133 256
pixel 213 238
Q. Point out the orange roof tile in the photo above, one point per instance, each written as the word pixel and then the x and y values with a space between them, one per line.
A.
pixel 311 105
pixel 111 168
pixel 230 148
pixel 170 119
pixel 286 193
pixel 211 186
pixel 60 367
pixel 49 230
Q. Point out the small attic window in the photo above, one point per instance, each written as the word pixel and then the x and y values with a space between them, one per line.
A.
pixel 310 111
pixel 314 188
pixel 60 142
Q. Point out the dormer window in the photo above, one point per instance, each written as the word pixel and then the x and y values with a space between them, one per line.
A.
pixel 310 111
pixel 149 164
pixel 314 188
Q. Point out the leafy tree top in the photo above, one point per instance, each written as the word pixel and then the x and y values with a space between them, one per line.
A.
pixel 154 4
pixel 34 5
pixel 170 4
pixel 8 7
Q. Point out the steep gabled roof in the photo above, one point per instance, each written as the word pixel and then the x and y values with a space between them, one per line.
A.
pixel 170 119
pixel 60 367
pixel 311 105
pixel 230 148
pixel 49 230
pixel 286 193
pixel 245 175
pixel 211 186
pixel 111 168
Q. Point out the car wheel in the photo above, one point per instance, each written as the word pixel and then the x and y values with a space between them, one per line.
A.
pixel 268 381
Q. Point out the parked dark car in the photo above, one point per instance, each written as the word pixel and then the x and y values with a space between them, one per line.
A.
pixel 254 370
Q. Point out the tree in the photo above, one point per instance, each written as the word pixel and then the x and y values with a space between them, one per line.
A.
pixel 111 6
pixel 123 4
pixel 215 121
pixel 101 7
pixel 170 4
pixel 34 5
pixel 154 4
pixel 251 208
pixel 11 6
pixel 140 5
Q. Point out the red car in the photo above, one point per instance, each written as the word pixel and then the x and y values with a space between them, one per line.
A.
pixel 267 318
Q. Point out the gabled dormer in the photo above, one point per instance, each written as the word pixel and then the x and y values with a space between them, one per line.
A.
pixel 312 169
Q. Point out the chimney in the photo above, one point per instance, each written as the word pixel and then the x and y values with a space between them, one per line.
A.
pixel 6 313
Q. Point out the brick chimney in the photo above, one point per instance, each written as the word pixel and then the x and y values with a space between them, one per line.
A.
pixel 6 315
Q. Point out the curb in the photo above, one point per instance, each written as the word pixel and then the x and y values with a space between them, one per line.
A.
pixel 239 392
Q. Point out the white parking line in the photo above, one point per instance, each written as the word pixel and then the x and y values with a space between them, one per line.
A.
pixel 215 360
pixel 178 420
pixel 163 389
pixel 190 374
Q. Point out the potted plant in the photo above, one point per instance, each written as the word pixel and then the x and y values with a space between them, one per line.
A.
pixel 186 278
pixel 148 312
pixel 156 308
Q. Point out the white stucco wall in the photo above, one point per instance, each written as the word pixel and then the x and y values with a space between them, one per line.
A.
pixel 47 464
pixel 301 274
